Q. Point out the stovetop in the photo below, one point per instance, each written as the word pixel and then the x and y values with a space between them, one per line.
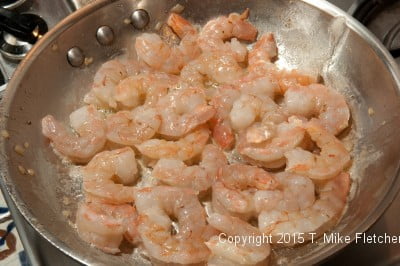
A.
pixel 382 23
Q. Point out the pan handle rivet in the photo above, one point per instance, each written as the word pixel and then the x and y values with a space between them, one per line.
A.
pixel 140 18
pixel 75 57
pixel 105 35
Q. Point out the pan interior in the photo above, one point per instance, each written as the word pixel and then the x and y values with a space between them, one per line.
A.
pixel 308 38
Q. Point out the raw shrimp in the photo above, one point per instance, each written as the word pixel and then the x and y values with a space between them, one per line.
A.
pixel 107 175
pixel 157 207
pixel 90 138
pixel 317 218
pixel 223 101
pixel 143 88
pixel 198 177
pixel 182 149
pixel 216 31
pixel 106 79
pixel 317 100
pixel 183 110
pixel 266 143
pixel 133 127
pixel 294 193
pixel 242 253
pixel 104 225
pixel 235 187
pixel 164 57
pixel 332 159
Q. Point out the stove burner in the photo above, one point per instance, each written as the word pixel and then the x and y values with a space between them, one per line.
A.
pixel 14 48
pixel 381 17
pixel 11 4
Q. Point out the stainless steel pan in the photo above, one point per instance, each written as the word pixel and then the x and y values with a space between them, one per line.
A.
pixel 311 35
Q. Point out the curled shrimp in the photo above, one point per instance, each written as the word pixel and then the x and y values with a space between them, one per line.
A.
pixel 253 106
pixel 264 79
pixel 102 173
pixel 217 67
pixel 332 159
pixel 133 127
pixel 294 193
pixel 266 143
pixel 90 138
pixel 244 111
pixel 317 218
pixel 216 31
pixel 183 149
pixel 157 206
pixel 188 35
pixel 317 100
pixel 144 88
pixel 263 52
pixel 105 225
pixel 221 124
pixel 198 177
pixel 234 190
pixel 183 110
pixel 180 25
pixel 164 57
pixel 105 80
pixel 158 54
pixel 227 253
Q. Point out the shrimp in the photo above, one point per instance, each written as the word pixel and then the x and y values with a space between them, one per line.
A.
pixel 265 144
pixel 217 67
pixel 228 253
pixel 328 105
pixel 157 206
pixel 180 25
pixel 264 79
pixel 106 79
pixel 263 52
pixel 198 177
pixel 108 174
pixel 234 190
pixel 212 160
pixel 144 88
pixel 188 35
pixel 133 127
pixel 90 138
pixel 183 110
pixel 259 81
pixel 183 149
pixel 216 31
pixel 244 111
pixel 104 225
pixel 221 125
pixel 163 57
pixel 318 218
pixel 332 159
pixel 221 68
pixel 295 193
